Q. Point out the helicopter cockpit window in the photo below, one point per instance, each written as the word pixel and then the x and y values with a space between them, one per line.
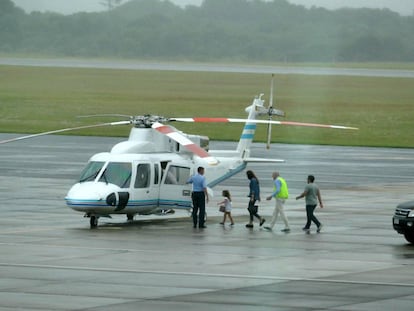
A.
pixel 91 170
pixel 143 176
pixel 177 175
pixel 118 173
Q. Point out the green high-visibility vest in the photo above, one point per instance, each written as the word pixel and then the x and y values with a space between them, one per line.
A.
pixel 284 192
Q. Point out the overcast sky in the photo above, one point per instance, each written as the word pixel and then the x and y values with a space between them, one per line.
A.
pixel 404 7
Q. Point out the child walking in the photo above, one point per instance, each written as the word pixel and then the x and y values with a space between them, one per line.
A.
pixel 227 207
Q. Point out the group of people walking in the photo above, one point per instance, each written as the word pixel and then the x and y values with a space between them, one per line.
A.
pixel 280 192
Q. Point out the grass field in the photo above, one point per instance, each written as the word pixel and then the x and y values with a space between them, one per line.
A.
pixel 36 99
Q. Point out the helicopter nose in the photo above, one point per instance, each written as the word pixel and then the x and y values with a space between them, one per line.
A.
pixel 92 196
pixel 118 199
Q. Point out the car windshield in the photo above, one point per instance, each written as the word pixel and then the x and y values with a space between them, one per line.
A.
pixel 118 173
pixel 91 170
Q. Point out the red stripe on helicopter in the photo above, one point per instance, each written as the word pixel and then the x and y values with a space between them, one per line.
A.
pixel 164 129
pixel 184 141
pixel 197 150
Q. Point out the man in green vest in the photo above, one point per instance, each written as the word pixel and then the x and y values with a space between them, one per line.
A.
pixel 280 193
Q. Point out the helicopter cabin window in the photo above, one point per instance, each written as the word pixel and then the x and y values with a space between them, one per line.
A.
pixel 91 170
pixel 118 173
pixel 143 176
pixel 177 175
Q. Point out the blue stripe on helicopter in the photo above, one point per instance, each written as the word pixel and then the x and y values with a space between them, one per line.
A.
pixel 247 136
pixel 160 203
pixel 175 204
pixel 134 203
pixel 101 203
pixel 86 203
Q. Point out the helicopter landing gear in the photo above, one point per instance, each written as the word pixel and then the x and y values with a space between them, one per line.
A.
pixel 93 221
pixel 130 217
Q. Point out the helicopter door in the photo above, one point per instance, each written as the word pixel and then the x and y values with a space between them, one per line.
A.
pixel 175 193
pixel 145 193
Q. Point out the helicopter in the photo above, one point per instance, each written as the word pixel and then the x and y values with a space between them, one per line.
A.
pixel 147 173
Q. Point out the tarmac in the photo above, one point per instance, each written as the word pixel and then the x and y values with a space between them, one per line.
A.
pixel 51 260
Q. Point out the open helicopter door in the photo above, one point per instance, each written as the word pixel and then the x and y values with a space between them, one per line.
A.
pixel 145 187
pixel 175 193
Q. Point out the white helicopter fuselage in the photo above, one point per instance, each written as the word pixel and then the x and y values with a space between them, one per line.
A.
pixel 148 173
pixel 140 177
pixel 142 183
pixel 132 184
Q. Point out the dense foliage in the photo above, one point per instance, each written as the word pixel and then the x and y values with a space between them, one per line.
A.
pixel 218 30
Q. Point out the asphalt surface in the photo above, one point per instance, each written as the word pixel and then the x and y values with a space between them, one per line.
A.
pixel 200 67
pixel 51 260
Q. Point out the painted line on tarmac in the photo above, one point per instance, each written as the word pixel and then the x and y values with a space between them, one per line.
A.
pixel 214 275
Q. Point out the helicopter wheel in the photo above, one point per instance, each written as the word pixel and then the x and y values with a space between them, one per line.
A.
pixel 130 217
pixel 93 222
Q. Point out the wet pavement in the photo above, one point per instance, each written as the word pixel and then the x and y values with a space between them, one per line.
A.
pixel 51 260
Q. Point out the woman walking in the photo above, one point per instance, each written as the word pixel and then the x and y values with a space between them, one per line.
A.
pixel 254 196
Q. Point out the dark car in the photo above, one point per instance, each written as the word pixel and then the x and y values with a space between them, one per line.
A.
pixel 403 220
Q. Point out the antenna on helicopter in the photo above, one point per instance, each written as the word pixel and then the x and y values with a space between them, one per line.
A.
pixel 269 126
pixel 270 112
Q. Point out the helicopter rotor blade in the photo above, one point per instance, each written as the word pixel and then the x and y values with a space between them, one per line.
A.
pixel 184 141
pixel 63 130
pixel 232 120
pixel 105 115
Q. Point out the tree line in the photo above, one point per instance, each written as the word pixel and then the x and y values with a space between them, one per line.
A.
pixel 218 30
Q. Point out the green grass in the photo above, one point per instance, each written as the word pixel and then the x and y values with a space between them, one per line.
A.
pixel 36 99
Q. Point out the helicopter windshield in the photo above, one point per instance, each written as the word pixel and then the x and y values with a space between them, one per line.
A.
pixel 91 171
pixel 118 173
